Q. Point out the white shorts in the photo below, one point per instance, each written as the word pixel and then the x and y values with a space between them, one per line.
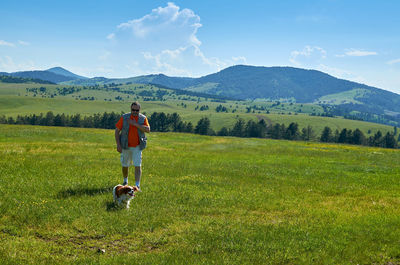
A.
pixel 132 155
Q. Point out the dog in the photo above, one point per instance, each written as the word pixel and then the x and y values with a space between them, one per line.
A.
pixel 124 194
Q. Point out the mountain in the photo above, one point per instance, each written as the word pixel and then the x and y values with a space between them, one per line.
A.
pixel 43 75
pixel 62 71
pixel 159 79
pixel 273 83
pixel 53 75
pixel 244 82
pixel 251 82
pixel 6 78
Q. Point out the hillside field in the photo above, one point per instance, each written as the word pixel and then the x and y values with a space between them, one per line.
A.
pixel 15 99
pixel 204 200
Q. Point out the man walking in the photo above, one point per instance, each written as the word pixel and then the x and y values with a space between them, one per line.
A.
pixel 131 140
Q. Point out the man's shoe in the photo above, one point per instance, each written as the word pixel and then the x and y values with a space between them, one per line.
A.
pixel 125 183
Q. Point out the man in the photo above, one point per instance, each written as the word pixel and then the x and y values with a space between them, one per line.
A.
pixel 129 128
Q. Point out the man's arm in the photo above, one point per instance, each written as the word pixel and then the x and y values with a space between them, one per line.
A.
pixel 143 128
pixel 117 132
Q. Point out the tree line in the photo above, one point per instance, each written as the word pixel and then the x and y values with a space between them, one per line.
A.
pixel 357 137
pixel 161 122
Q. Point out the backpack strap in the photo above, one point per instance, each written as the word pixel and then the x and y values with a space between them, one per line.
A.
pixel 125 131
pixel 142 135
pixel 141 119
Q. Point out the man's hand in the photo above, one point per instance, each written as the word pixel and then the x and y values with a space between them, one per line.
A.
pixel 119 148
pixel 143 128
pixel 133 123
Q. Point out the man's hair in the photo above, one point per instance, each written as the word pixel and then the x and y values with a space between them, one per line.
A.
pixel 135 104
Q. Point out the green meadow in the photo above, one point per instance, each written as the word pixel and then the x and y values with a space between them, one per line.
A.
pixel 18 99
pixel 204 200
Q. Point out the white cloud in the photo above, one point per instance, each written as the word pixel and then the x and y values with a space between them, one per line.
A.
pixel 341 73
pixel 7 64
pixel 24 43
pixel 395 61
pixel 110 36
pixel 357 53
pixel 315 58
pixel 164 63
pixel 309 55
pixel 5 43
pixel 240 60
pixel 169 25
pixel 164 41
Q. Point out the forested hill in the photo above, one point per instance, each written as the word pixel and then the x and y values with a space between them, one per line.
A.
pixel 42 75
pixel 288 83
pixel 4 78
pixel 255 82
pixel 251 82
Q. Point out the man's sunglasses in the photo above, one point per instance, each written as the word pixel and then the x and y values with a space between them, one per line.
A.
pixel 135 109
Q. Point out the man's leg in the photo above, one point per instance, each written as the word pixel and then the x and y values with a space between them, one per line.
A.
pixel 138 174
pixel 137 161
pixel 125 172
pixel 126 159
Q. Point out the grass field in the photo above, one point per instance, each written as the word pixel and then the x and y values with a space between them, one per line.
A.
pixel 205 200
pixel 15 100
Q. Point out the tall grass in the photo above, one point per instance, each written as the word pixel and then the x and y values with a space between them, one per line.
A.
pixel 205 200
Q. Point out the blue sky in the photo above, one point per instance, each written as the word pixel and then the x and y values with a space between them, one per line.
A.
pixel 354 40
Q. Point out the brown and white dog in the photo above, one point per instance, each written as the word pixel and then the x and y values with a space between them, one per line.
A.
pixel 124 194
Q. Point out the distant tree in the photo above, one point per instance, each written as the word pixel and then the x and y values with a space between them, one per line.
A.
pixel 204 107
pixel 255 129
pixel 377 139
pixel 3 119
pixel 76 120
pixel 175 122
pixel 335 137
pixel 238 129
pixel 10 120
pixel 343 136
pixel 326 135
pixel 358 137
pixel 221 108
pixel 223 132
pixel 34 120
pixel 203 126
pixel 49 119
pixel 159 122
pixel 389 141
pixel 87 122
pixel 59 120
pixel 189 127
pixel 349 137
pixel 307 134
pixel 262 128
pixel 277 131
pixel 292 132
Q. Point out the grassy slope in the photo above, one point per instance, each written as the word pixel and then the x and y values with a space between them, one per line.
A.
pixel 344 97
pixel 204 200
pixel 13 102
